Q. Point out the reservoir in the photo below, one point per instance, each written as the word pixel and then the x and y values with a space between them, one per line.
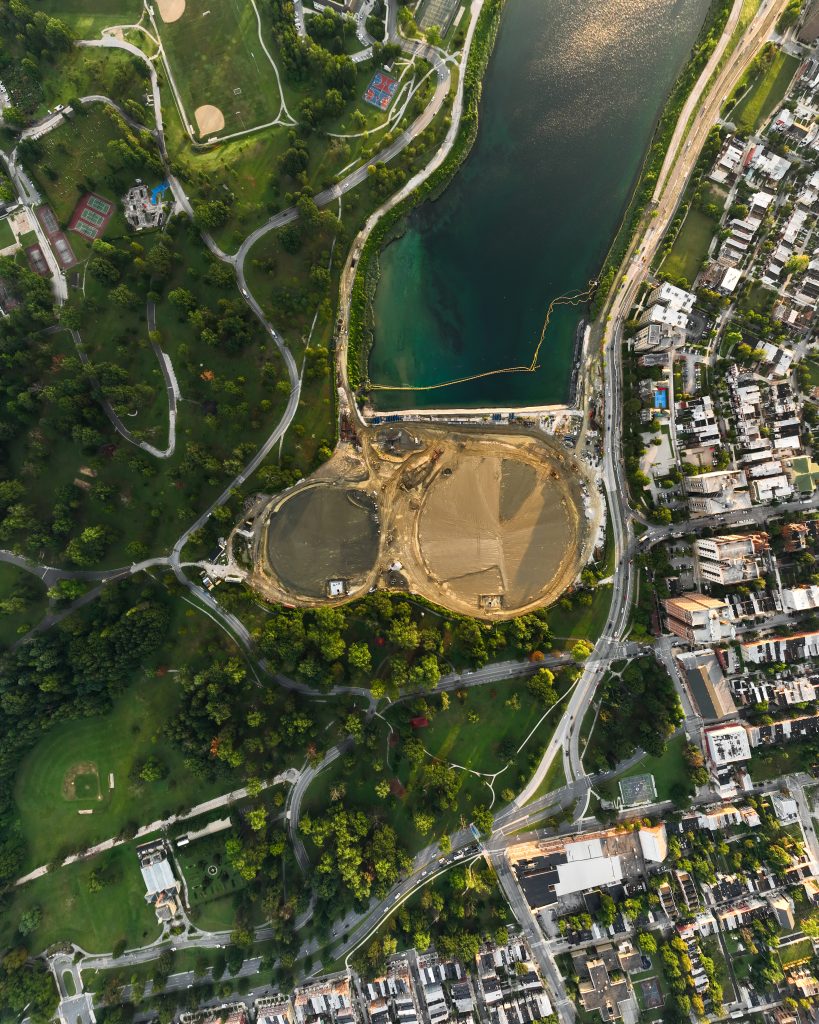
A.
pixel 570 100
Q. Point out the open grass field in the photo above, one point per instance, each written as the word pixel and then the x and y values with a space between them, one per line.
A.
pixel 68 771
pixel 690 246
pixel 94 920
pixel 217 59
pixel 765 93
pixel 6 234
pixel 88 17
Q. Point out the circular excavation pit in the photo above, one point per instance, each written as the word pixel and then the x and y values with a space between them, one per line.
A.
pixel 496 532
pixel 321 537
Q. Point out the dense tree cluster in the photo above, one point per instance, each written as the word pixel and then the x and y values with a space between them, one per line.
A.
pixel 638 710
pixel 26 987
pixel 307 59
pixel 357 853
pixel 389 642
pixel 28 38
pixel 455 914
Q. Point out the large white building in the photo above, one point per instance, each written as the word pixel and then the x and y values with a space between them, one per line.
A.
pixel 731 558
pixel 727 744
pixel 800 599
pixel 699 619
pixel 673 297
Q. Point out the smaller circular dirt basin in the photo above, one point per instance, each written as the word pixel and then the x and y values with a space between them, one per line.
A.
pixel 320 534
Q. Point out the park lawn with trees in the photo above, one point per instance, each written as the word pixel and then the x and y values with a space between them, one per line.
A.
pixel 96 151
pixel 150 778
pixel 455 913
pixel 422 779
pixel 769 80
pixel 86 71
pixel 670 770
pixel 478 727
pixel 639 709
pixel 96 904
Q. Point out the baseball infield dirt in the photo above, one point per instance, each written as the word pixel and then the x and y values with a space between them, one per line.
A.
pixel 171 10
pixel 209 119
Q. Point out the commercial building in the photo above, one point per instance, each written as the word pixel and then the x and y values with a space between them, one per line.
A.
pixel 727 744
pixel 731 558
pixel 720 491
pixel 698 619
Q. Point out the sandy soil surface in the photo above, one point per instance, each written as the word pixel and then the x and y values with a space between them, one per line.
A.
pixel 209 119
pixel 171 10
pixel 491 526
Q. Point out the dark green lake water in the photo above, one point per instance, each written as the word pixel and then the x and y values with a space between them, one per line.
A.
pixel 570 100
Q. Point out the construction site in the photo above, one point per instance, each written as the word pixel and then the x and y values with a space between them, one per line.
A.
pixel 489 527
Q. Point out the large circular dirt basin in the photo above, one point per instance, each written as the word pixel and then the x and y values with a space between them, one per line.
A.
pixel 495 528
pixel 320 534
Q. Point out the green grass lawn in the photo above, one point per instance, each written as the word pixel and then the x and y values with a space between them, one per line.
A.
pixel 812 367
pixel 690 246
pixel 6 234
pixel 212 882
pixel 87 17
pixel 770 762
pixel 217 59
pixel 71 913
pixel 554 779
pixel 479 745
pixel 74 160
pixel 582 622
pixel 667 770
pixel 765 93
pixel 49 805
pixel 795 952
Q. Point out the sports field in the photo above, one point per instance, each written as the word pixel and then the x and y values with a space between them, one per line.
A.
pixel 219 66
pixel 70 769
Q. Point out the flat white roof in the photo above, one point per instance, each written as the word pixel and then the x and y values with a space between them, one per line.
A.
pixel 588 873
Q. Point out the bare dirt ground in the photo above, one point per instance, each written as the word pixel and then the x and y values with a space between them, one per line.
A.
pixel 487 525
pixel 209 119
pixel 171 10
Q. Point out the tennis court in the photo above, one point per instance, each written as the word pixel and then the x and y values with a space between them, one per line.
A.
pixel 380 91
pixel 91 216
pixel 438 13
pixel 59 243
